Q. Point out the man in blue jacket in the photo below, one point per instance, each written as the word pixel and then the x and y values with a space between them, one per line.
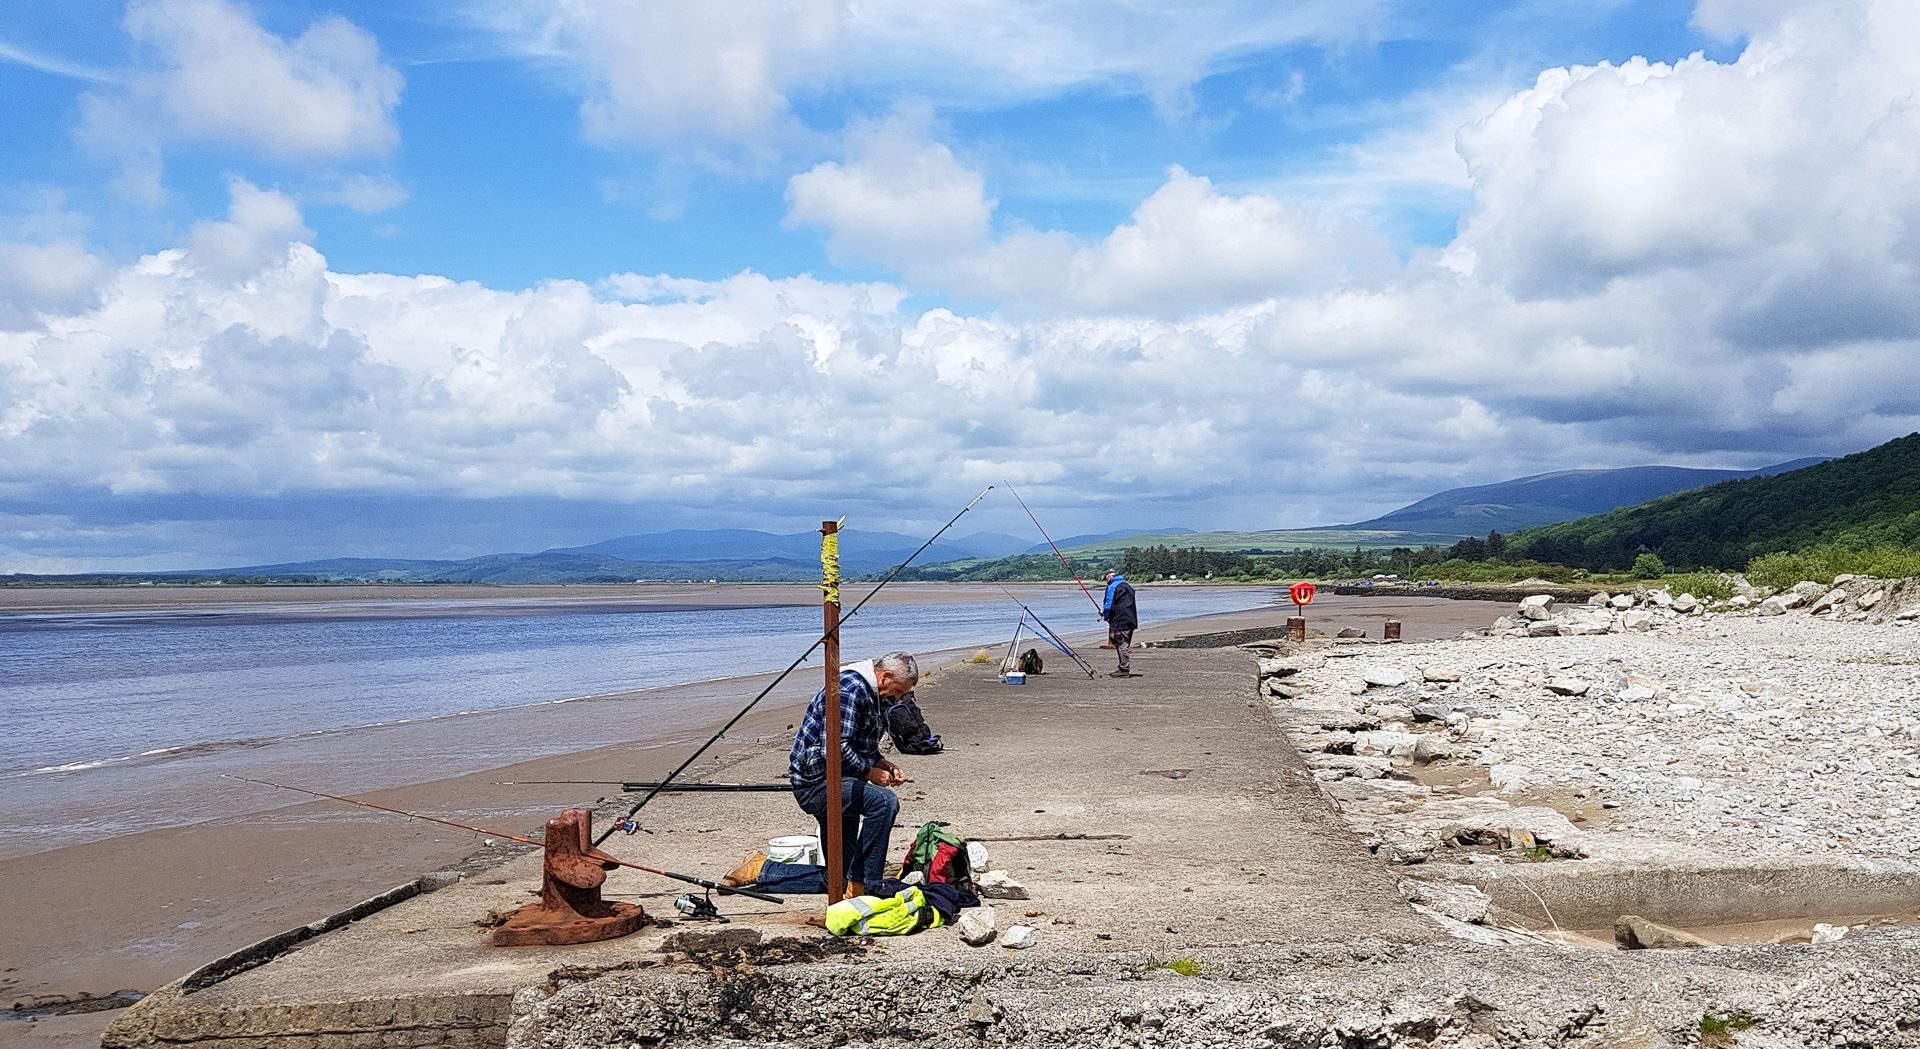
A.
pixel 1122 619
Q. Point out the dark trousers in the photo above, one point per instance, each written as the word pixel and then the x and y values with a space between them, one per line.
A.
pixel 867 817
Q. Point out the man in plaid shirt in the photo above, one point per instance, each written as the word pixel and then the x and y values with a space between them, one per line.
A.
pixel 869 807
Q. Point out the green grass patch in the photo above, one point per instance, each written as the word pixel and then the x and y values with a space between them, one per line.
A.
pixel 1822 563
pixel 1708 586
pixel 1183 966
pixel 1722 1029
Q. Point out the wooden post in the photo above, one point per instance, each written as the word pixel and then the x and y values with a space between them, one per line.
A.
pixel 830 589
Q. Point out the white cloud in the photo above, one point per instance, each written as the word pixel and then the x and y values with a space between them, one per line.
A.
pixel 260 226
pixel 898 196
pixel 207 71
pixel 323 95
pixel 37 279
pixel 671 71
pixel 366 194
pixel 1217 358
pixel 903 200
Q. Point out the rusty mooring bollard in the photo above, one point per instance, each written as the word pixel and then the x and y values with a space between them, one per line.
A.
pixel 1297 627
pixel 570 909
pixel 1391 630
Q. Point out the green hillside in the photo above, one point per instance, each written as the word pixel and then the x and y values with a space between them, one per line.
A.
pixel 1871 498
pixel 1094 558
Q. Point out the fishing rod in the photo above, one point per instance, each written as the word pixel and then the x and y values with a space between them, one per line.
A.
pixel 791 667
pixel 1053 638
pixel 1056 550
pixel 633 785
pixel 688 878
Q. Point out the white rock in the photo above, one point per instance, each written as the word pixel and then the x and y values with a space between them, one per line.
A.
pixel 1568 686
pixel 1505 623
pixel 1740 601
pixel 1622 601
pixel 1536 606
pixel 1637 621
pixel 1460 902
pixel 1827 603
pixel 1778 604
pixel 1384 677
pixel 977 926
pixel 1685 603
pixel 1660 598
pixel 1636 694
pixel 1543 628
pixel 1808 590
pixel 999 885
pixel 1824 933
pixel 1018 938
pixel 1871 599
pixel 1439 673
pixel 978 858
pixel 1509 777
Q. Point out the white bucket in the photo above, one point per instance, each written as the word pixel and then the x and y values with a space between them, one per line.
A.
pixel 795 848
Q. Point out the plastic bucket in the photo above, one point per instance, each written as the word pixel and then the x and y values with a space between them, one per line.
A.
pixel 795 848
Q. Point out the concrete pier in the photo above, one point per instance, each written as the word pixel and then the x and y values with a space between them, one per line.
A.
pixel 1190 885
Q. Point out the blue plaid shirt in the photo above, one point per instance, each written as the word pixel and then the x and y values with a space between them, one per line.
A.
pixel 861 726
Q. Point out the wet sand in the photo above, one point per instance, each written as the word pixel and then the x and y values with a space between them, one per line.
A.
pixel 134 911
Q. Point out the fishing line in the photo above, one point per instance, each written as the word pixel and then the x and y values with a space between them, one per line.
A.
pixel 1047 631
pixel 1056 549
pixel 791 667
pixel 688 878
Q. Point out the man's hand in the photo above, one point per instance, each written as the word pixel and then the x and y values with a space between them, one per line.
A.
pixel 886 774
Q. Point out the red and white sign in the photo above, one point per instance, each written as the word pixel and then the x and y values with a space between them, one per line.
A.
pixel 1302 593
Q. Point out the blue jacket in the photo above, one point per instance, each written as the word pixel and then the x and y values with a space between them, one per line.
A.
pixel 1118 610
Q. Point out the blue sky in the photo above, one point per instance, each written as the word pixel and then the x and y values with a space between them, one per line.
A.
pixel 1213 264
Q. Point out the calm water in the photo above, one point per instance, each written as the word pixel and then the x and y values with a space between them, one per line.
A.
pixel 83 692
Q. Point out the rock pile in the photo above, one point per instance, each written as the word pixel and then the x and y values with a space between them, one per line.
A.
pixel 1703 734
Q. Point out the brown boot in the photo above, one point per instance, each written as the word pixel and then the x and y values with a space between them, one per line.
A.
pixel 748 872
pixel 855 888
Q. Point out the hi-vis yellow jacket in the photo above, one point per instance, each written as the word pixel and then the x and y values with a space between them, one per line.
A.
pixel 904 912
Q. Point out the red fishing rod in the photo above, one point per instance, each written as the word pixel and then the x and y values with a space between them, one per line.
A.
pixel 688 878
pixel 1056 549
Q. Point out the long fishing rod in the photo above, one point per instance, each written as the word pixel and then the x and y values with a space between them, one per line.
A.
pixel 633 785
pixel 795 665
pixel 688 878
pixel 1058 642
pixel 1056 549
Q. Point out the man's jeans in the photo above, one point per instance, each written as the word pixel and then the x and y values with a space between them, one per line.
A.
pixel 868 813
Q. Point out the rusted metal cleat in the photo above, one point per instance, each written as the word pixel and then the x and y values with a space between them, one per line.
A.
pixel 570 908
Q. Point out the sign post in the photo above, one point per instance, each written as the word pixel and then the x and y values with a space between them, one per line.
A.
pixel 835 844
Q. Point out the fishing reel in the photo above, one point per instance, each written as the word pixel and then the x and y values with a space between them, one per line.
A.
pixel 698 908
pixel 630 826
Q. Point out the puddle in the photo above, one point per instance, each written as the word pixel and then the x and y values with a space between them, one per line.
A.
pixel 1798 930
pixel 1761 904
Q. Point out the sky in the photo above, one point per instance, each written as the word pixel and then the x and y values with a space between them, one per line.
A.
pixel 438 278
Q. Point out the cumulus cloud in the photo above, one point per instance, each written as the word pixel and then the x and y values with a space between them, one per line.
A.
pixel 903 200
pixel 258 230
pixel 206 70
pixel 37 279
pixel 899 197
pixel 366 194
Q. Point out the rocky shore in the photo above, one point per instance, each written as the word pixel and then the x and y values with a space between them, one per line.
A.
pixel 1636 729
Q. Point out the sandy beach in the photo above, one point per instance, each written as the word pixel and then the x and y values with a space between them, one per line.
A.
pixel 132 911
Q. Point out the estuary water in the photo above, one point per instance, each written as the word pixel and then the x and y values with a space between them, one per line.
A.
pixel 110 714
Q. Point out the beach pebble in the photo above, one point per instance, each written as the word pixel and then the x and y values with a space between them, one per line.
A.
pixel 977 926
pixel 999 885
pixel 1017 938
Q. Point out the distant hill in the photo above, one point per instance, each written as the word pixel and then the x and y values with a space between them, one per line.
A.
pixel 1872 497
pixel 1543 499
pixel 1072 541
pixel 725 554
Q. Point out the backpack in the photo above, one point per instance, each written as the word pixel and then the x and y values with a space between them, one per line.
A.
pixel 908 728
pixel 1030 661
pixel 940 856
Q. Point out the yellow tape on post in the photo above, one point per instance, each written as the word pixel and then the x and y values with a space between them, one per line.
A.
pixel 830 564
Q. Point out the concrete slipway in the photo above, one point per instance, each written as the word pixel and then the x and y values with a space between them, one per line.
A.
pixel 1204 893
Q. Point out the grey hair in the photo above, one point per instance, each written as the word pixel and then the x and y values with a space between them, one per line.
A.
pixel 899 664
